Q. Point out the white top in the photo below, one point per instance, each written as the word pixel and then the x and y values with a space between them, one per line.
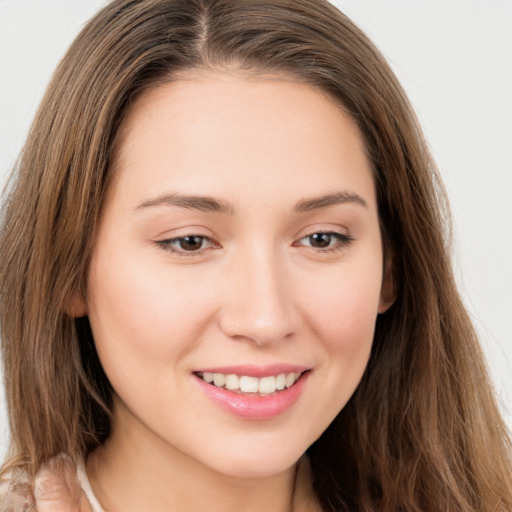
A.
pixel 17 491
pixel 86 487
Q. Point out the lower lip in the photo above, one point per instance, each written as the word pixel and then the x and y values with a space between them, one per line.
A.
pixel 255 407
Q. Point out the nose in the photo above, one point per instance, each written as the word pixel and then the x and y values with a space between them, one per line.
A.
pixel 258 306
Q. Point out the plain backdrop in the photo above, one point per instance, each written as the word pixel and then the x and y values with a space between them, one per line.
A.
pixel 454 58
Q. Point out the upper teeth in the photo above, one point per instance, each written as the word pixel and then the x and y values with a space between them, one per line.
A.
pixel 247 384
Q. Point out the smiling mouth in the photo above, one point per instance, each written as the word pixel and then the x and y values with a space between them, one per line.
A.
pixel 248 385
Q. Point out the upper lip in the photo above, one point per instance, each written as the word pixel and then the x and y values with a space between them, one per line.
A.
pixel 252 370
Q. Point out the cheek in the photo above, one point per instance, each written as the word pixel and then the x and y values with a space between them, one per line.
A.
pixel 343 314
pixel 345 306
pixel 142 316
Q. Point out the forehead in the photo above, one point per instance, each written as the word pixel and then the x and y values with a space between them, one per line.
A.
pixel 208 128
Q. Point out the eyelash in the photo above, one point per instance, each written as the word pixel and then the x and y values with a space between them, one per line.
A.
pixel 341 239
pixel 170 244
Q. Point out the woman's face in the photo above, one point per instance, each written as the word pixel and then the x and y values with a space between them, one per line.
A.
pixel 240 242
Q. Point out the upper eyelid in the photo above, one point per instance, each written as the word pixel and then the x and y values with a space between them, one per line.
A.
pixel 181 231
pixel 322 226
pixel 323 231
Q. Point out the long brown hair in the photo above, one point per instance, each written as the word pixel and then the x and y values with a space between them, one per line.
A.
pixel 422 431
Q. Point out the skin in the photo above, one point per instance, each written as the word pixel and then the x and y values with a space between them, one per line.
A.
pixel 258 290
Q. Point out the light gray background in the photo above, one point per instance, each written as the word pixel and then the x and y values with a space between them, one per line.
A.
pixel 454 58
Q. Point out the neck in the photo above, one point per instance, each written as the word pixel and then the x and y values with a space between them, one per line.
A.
pixel 134 472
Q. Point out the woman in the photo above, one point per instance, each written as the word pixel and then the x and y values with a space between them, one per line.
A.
pixel 224 249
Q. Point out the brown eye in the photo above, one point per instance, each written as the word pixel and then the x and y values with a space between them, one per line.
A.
pixel 320 240
pixel 187 245
pixel 191 243
pixel 326 240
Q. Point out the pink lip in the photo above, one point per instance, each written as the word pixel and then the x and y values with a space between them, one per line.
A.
pixel 254 407
pixel 255 371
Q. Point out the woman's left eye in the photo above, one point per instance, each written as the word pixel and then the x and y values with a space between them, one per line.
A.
pixel 187 245
pixel 325 240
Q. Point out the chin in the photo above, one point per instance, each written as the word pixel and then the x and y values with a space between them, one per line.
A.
pixel 255 461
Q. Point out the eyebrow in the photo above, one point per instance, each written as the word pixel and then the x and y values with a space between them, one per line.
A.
pixel 317 203
pixel 200 203
pixel 209 204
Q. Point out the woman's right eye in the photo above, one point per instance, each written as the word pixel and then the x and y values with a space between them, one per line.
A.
pixel 188 245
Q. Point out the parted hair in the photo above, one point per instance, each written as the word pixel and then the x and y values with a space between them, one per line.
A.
pixel 422 432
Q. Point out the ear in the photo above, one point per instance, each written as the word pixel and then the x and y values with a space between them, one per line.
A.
pixel 76 307
pixel 388 288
